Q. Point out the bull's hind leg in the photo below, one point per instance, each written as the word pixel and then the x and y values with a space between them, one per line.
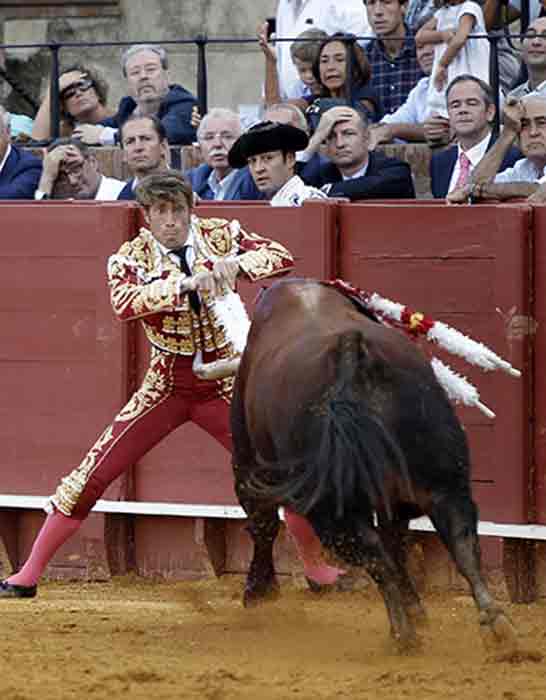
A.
pixel 363 546
pixel 456 521
pixel 395 535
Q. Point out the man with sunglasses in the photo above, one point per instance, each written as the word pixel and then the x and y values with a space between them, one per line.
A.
pixel 145 67
pixel 71 171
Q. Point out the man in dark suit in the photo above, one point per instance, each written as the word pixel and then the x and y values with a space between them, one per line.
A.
pixel 354 171
pixel 19 171
pixel 471 109
pixel 145 150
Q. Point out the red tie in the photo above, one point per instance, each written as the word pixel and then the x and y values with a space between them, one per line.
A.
pixel 464 170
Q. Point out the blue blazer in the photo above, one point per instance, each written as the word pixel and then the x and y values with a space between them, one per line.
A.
pixel 127 193
pixel 20 175
pixel 241 186
pixel 443 163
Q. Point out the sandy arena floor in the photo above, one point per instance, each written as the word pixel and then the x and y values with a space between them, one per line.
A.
pixel 138 639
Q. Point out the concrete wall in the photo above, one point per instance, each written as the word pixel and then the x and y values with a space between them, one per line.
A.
pixel 235 71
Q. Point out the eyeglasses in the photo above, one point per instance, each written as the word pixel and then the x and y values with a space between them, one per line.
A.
pixel 71 90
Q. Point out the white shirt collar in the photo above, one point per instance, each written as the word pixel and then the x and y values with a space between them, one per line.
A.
pixel 219 187
pixel 6 156
pixel 190 253
pixel 477 152
pixel 359 173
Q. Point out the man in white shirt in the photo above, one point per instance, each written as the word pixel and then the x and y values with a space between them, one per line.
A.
pixel 471 110
pixel 295 16
pixel 71 171
pixel 269 149
pixel 524 119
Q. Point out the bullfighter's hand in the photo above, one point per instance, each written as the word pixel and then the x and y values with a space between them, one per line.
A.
pixel 460 195
pixel 225 273
pixel 88 133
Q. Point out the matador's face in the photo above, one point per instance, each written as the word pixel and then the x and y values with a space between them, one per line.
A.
pixel 169 221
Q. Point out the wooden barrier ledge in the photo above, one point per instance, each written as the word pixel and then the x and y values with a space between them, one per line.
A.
pixel 519 575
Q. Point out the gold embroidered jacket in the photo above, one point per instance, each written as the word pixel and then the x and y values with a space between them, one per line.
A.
pixel 145 283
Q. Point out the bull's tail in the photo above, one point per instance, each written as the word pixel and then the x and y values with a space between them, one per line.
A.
pixel 339 452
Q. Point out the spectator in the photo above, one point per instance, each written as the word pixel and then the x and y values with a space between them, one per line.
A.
pixel 82 94
pixel 471 110
pixel 303 52
pixel 533 55
pixel 19 171
pixel 407 123
pixel 498 15
pixel 355 172
pixel 308 163
pixel 145 68
pixel 216 179
pixel 526 119
pixel 295 16
pixel 269 150
pixel 145 150
pixel 392 56
pixel 343 73
pixel 71 171
pixel 456 52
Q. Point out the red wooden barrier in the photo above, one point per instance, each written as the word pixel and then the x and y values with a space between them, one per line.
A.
pixel 459 264
pixel 67 365
pixel 540 363
pixel 63 355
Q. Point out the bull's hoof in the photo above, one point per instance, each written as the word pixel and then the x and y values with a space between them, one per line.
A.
pixel 257 594
pixel 407 645
pixel 499 636
pixel 417 615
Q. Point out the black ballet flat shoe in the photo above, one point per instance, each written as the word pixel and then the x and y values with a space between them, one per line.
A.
pixel 10 590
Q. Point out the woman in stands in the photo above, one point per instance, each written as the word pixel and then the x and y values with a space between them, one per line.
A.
pixel 82 94
pixel 344 73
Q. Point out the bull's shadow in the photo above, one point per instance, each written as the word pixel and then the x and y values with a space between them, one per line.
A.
pixel 337 417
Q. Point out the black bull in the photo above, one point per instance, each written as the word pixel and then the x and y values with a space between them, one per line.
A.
pixel 339 418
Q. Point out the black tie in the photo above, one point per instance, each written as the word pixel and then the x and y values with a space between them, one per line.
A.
pixel 192 296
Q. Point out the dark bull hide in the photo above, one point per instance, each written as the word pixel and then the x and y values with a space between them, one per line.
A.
pixel 337 417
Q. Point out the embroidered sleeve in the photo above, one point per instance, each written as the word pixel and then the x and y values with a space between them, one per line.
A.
pixel 260 257
pixel 133 295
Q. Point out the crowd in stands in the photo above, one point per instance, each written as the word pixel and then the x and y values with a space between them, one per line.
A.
pixel 351 77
